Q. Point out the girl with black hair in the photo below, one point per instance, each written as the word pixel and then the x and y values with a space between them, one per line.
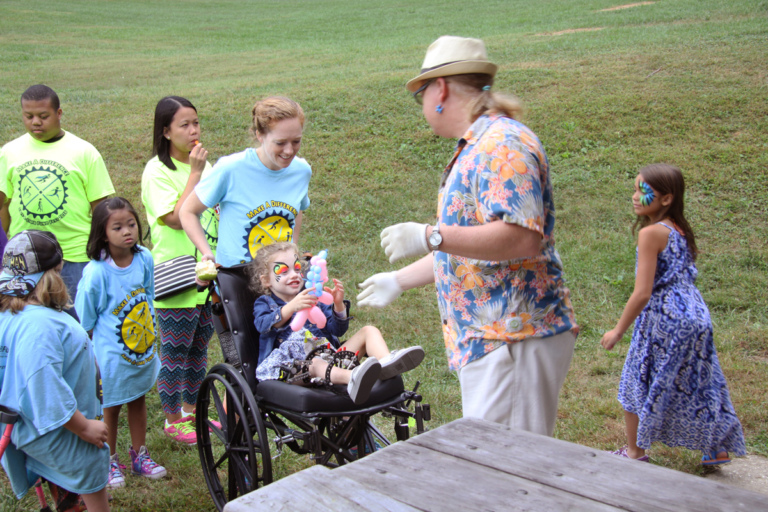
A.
pixel 184 320
pixel 114 303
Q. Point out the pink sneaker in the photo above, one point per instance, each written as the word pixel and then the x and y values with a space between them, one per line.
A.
pixel 213 422
pixel 182 430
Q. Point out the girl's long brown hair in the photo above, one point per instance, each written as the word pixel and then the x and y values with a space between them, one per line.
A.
pixel 668 179
pixel 50 292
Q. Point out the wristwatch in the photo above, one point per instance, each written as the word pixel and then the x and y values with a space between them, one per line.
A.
pixel 435 238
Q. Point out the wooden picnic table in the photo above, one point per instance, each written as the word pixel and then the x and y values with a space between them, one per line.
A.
pixel 471 464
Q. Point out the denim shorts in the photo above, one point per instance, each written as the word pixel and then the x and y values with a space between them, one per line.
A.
pixel 71 272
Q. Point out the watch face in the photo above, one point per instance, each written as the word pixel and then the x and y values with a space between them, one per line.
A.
pixel 435 239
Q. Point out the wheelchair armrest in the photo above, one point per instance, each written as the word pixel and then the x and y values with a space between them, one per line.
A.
pixel 7 416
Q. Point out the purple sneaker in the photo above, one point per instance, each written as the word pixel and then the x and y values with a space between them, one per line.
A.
pixel 143 465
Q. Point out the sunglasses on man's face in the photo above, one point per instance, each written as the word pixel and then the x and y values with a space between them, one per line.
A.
pixel 419 94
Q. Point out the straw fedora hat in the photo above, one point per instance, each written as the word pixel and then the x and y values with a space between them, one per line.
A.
pixel 451 55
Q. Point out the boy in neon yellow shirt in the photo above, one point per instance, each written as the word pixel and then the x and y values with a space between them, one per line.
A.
pixel 51 180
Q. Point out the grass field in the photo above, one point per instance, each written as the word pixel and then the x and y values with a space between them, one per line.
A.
pixel 607 91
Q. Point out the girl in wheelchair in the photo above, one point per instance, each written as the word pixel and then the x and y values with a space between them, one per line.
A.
pixel 275 273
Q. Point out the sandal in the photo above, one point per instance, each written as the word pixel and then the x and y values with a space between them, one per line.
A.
pixel 712 459
pixel 622 452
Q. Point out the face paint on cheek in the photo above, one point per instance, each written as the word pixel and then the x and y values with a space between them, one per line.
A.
pixel 279 269
pixel 648 194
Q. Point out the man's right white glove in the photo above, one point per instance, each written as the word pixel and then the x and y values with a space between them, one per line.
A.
pixel 379 290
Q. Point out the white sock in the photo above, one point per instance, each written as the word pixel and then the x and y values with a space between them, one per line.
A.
pixel 184 413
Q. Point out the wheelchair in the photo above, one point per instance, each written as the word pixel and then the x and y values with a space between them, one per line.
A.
pixel 258 417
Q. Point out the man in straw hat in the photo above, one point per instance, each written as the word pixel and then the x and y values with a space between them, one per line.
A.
pixel 507 318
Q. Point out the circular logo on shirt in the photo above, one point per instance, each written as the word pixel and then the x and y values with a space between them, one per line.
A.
pixel 42 192
pixel 137 329
pixel 210 221
pixel 266 229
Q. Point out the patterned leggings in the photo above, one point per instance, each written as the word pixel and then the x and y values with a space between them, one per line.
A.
pixel 184 335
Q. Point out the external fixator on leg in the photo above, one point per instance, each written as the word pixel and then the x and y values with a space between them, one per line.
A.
pixel 297 372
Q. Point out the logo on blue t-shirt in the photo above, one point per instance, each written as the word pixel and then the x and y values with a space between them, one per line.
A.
pixel 136 329
pixel 267 228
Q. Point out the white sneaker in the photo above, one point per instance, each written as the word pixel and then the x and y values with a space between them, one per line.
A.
pixel 401 361
pixel 116 478
pixel 362 380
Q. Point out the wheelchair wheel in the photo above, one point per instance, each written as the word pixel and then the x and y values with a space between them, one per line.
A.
pixel 235 455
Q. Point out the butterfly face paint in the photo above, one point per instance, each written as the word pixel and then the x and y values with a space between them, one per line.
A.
pixel 280 269
pixel 648 195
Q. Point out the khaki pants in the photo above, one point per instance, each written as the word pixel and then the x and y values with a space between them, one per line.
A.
pixel 518 384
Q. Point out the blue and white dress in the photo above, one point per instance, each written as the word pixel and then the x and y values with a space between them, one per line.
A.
pixel 672 377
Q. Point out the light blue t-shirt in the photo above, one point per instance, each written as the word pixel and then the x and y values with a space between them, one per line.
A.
pixel 116 303
pixel 47 373
pixel 258 205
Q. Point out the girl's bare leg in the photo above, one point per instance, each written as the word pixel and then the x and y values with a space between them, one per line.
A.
pixel 111 415
pixel 137 422
pixel 97 501
pixel 632 421
pixel 368 341
pixel 338 375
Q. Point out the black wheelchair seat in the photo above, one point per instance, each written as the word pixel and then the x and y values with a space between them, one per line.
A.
pixel 307 399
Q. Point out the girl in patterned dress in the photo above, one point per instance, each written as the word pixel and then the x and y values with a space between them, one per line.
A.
pixel 672 387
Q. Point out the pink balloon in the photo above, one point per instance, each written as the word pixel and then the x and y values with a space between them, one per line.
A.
pixel 300 319
pixel 325 298
pixel 317 317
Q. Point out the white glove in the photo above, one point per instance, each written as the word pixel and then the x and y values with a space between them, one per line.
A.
pixel 379 290
pixel 404 240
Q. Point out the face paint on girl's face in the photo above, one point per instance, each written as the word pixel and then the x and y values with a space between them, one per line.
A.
pixel 285 281
pixel 647 194
pixel 280 269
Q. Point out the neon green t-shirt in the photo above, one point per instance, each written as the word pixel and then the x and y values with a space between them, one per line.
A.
pixel 51 186
pixel 161 189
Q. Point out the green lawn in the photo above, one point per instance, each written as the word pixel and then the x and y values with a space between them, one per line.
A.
pixel 607 91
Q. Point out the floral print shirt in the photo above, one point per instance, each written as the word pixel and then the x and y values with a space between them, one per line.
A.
pixel 499 171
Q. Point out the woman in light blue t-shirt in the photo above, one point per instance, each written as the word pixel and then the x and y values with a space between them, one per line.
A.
pixel 262 192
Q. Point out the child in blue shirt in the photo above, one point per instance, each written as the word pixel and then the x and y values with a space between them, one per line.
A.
pixel 114 301
pixel 48 376
pixel 276 272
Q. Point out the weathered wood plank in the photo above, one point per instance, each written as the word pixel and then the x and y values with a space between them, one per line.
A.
pixel 600 476
pixel 433 481
pixel 316 488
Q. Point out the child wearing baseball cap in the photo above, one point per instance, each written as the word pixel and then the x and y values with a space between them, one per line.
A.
pixel 48 376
